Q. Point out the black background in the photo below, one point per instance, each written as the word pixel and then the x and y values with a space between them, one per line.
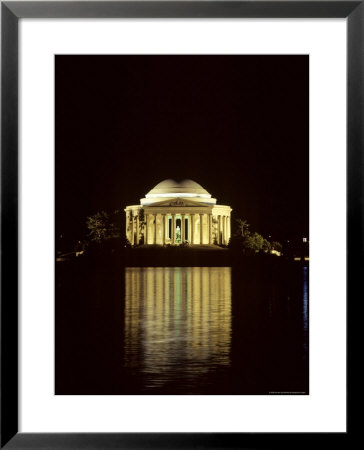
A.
pixel 238 125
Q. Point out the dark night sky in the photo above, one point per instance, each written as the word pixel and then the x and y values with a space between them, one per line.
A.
pixel 238 125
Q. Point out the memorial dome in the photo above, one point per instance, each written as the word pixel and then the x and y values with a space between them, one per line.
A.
pixel 173 188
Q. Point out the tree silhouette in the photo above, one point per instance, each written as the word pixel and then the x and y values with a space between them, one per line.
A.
pixel 103 226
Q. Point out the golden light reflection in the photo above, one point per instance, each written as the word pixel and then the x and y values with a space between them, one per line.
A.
pixel 177 320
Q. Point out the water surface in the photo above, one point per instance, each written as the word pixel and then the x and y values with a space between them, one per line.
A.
pixel 177 323
pixel 182 330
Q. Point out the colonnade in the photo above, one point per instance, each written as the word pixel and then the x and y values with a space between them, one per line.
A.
pixel 202 228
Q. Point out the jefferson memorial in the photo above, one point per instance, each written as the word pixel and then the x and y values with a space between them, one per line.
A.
pixel 178 212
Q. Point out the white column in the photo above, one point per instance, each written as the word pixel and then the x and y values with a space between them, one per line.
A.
pixel 220 229
pixel 173 228
pixel 166 236
pixel 192 229
pixel 163 229
pixel 201 229
pixel 132 229
pixel 225 241
pixel 210 229
pixel 146 229
pixel 226 231
pixel 228 227
pixel 137 229
pixel 183 228
pixel 155 229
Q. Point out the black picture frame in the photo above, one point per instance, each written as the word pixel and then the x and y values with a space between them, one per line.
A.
pixel 11 12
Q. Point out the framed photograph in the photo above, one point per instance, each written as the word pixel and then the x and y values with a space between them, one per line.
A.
pixel 181 188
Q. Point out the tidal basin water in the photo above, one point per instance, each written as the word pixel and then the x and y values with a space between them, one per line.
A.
pixel 184 330
pixel 177 323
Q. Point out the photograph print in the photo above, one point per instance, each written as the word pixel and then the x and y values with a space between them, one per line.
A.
pixel 182 224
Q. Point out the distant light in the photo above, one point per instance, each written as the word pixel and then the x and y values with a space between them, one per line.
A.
pixel 307 258
pixel 297 259
pixel 304 239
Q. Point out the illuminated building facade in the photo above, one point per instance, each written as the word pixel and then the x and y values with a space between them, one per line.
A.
pixel 178 212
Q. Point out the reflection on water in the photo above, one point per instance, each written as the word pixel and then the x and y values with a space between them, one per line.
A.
pixel 194 330
pixel 177 322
